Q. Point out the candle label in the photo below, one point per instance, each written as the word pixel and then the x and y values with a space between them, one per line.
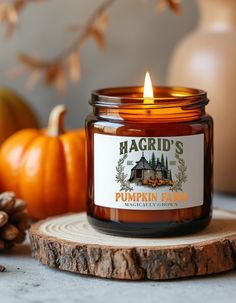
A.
pixel 148 173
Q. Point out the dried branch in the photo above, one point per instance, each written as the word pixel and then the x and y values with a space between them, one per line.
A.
pixel 54 71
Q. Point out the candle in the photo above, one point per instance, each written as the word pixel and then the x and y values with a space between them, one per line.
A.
pixel 149 153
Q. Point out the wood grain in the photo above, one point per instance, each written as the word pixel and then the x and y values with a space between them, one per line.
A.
pixel 70 243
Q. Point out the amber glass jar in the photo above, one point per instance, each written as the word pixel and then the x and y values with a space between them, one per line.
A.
pixel 150 162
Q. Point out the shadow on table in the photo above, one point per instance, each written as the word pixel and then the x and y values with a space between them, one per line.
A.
pixel 21 250
pixel 231 274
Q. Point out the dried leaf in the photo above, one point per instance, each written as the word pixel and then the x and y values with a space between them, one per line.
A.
pixel 102 21
pixel 74 66
pixel 12 15
pixel 161 6
pixel 33 79
pixel 174 5
pixel 9 14
pixel 9 17
pixel 16 72
pixel 52 73
pixel 2 11
pixel 61 82
pixel 29 61
pixel 20 4
pixel 98 36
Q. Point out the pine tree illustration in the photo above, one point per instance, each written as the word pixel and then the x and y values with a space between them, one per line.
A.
pixel 167 167
pixel 158 159
pixel 153 161
pixel 162 161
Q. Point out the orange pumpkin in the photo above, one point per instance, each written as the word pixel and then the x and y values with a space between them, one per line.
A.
pixel 46 167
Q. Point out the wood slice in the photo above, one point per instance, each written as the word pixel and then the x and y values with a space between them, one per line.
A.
pixel 69 243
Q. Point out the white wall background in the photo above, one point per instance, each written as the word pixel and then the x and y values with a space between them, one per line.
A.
pixel 138 39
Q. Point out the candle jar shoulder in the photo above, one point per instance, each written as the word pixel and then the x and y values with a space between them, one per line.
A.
pixel 203 124
pixel 149 176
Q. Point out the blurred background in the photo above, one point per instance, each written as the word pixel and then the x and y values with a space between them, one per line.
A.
pixel 138 39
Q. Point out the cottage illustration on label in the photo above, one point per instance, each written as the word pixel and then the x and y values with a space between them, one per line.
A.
pixel 152 171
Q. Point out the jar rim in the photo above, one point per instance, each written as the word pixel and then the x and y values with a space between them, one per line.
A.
pixel 165 96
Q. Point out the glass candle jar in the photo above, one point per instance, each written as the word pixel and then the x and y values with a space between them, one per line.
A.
pixel 150 162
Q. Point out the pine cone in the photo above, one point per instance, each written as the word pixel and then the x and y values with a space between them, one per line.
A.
pixel 13 220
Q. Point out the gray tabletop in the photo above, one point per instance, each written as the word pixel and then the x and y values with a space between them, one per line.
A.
pixel 26 280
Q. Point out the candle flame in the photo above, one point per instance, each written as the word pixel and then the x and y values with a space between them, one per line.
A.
pixel 148 89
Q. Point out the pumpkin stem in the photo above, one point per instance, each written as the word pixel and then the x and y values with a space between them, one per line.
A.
pixel 55 122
